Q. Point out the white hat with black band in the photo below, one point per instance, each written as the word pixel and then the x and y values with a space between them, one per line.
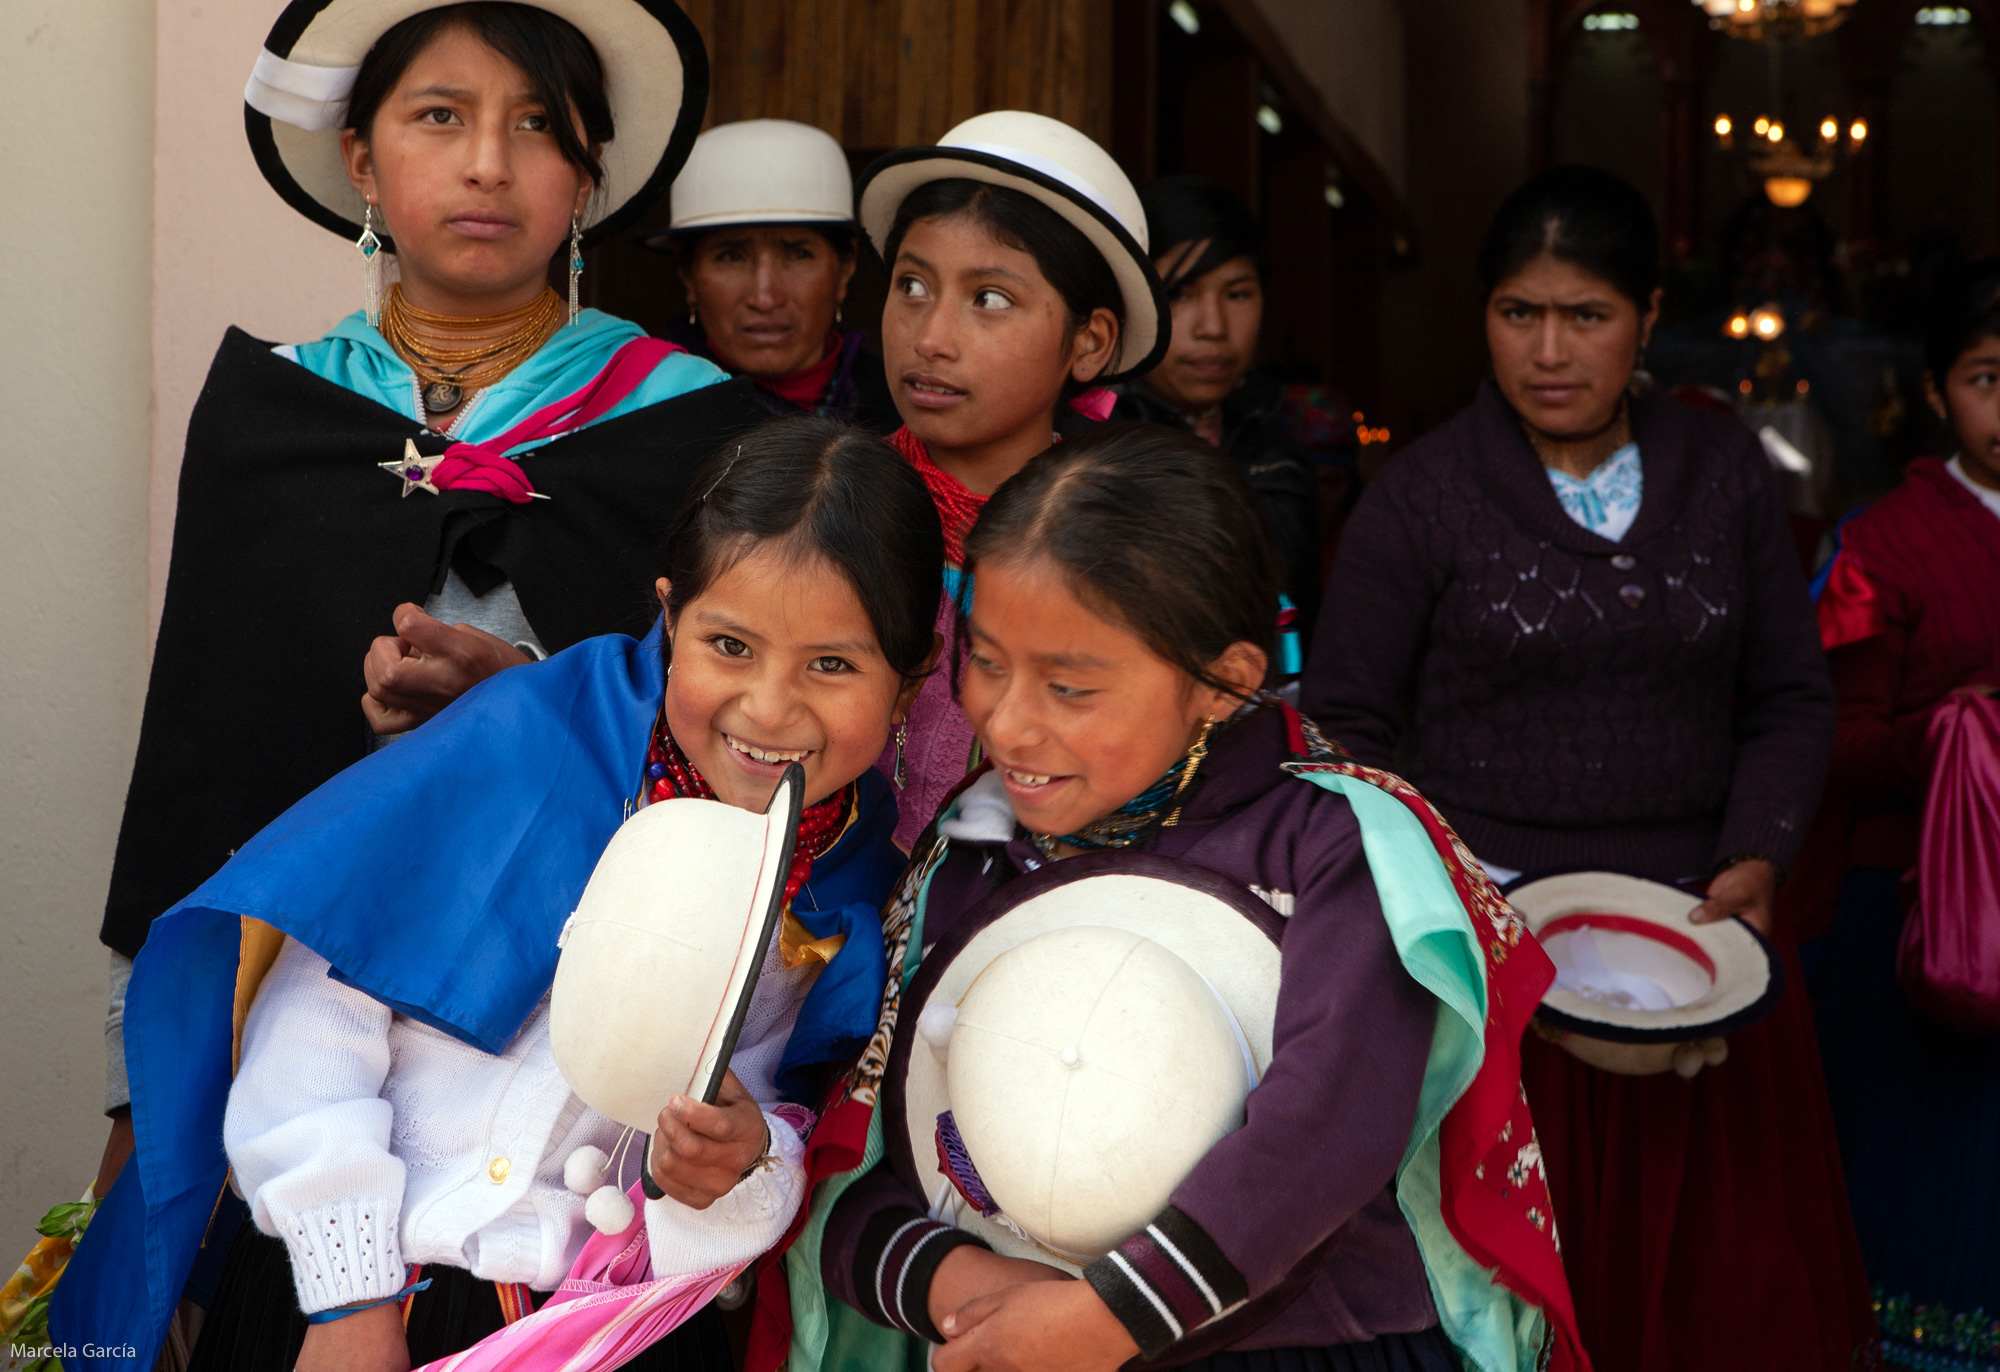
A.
pixel 1050 161
pixel 655 77
pixel 1639 987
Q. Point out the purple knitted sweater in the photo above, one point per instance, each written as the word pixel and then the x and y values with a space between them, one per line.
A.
pixel 1655 705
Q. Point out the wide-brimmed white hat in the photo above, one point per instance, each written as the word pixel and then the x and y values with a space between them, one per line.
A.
pixel 655 76
pixel 1047 159
pixel 763 171
pixel 1640 988
pixel 1075 1045
pixel 661 957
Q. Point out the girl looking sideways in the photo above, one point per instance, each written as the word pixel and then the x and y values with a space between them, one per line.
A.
pixel 1018 282
pixel 1118 643
pixel 390 942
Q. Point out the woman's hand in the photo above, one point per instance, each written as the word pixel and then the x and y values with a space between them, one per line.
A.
pixel 1745 889
pixel 366 1341
pixel 1038 1326
pixel 970 1271
pixel 425 666
pixel 701 1151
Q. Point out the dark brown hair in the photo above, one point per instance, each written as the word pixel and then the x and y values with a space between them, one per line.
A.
pixel 1154 529
pixel 827 490
pixel 557 59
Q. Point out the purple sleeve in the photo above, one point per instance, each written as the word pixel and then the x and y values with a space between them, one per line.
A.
pixel 1785 708
pixel 1327 1126
pixel 1373 623
pixel 881 1250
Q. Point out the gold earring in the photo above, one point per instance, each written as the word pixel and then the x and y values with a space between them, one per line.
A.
pixel 1197 751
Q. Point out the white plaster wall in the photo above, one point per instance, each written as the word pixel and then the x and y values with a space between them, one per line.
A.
pixel 227 250
pixel 76 97
pixel 1353 51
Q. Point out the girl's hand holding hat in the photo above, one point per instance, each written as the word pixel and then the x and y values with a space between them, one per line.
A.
pixel 1745 888
pixel 701 1151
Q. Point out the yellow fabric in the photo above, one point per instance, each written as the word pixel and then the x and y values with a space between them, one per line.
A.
pixel 260 948
pixel 796 945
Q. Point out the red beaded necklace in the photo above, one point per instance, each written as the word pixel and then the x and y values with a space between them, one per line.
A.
pixel 957 505
pixel 670 774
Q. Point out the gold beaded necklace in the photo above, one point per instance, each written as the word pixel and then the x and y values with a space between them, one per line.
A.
pixel 453 354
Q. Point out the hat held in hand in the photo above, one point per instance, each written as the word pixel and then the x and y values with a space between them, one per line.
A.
pixel 1639 988
pixel 1082 1039
pixel 661 957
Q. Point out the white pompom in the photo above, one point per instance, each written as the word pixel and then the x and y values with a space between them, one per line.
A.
pixel 609 1210
pixel 584 1172
pixel 934 1027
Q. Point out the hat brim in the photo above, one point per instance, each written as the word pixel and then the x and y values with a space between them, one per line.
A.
pixel 1747 976
pixel 1214 925
pixel 655 75
pixel 1148 325
pixel 662 240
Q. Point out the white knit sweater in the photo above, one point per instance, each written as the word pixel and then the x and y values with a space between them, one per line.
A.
pixel 367 1141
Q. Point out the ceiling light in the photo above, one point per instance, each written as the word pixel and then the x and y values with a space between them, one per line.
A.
pixel 1182 13
pixel 1269 120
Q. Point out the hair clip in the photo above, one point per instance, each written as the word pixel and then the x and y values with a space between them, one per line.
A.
pixel 720 479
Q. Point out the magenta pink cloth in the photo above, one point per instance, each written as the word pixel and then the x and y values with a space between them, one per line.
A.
pixel 1095 403
pixel 605 1313
pixel 1949 961
pixel 486 466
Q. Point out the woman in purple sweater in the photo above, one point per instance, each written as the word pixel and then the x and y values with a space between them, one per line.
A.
pixel 1574 618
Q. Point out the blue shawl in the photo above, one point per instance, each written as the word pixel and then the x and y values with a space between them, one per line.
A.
pixel 435 876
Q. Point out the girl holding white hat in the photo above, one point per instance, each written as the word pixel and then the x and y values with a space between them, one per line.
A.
pixel 469 462
pixel 762 235
pixel 1018 285
pixel 417 1112
pixel 1363 1189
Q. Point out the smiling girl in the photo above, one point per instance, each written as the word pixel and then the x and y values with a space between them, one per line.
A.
pixel 396 1105
pixel 1119 644
pixel 383 479
pixel 1019 280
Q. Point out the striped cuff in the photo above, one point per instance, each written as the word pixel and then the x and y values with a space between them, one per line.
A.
pixel 1166 1281
pixel 896 1286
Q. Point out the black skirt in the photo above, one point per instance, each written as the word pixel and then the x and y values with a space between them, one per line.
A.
pixel 254 1324
pixel 1427 1350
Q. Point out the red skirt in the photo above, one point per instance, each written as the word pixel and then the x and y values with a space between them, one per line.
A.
pixel 1704 1223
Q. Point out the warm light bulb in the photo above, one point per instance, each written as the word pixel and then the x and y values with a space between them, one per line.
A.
pixel 1722 125
pixel 1746 6
pixel 1776 133
pixel 1787 192
pixel 1858 130
pixel 1762 125
pixel 1829 129
pixel 1766 322
pixel 1739 325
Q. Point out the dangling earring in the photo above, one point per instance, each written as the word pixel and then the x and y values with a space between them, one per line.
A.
pixel 371 268
pixel 1195 754
pixel 836 314
pixel 691 320
pixel 575 262
pixel 902 737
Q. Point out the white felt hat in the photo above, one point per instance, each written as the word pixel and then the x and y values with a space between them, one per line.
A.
pixel 1635 979
pixel 660 959
pixel 763 171
pixel 1092 1030
pixel 1047 159
pixel 655 76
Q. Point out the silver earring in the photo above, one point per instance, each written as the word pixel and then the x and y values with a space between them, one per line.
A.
pixel 371 268
pixel 902 737
pixel 836 314
pixel 575 262
pixel 691 319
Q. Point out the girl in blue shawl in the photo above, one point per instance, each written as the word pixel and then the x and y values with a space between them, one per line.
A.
pixel 395 1103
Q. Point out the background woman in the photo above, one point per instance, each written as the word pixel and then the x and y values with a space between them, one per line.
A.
pixel 396 463
pixel 1012 293
pixel 763 238
pixel 1588 605
pixel 1910 615
pixel 1209 252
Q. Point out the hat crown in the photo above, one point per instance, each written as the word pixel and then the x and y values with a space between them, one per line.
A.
pixel 763 171
pixel 1054 149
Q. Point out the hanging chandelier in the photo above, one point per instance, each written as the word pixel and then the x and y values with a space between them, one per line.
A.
pixel 1760 19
